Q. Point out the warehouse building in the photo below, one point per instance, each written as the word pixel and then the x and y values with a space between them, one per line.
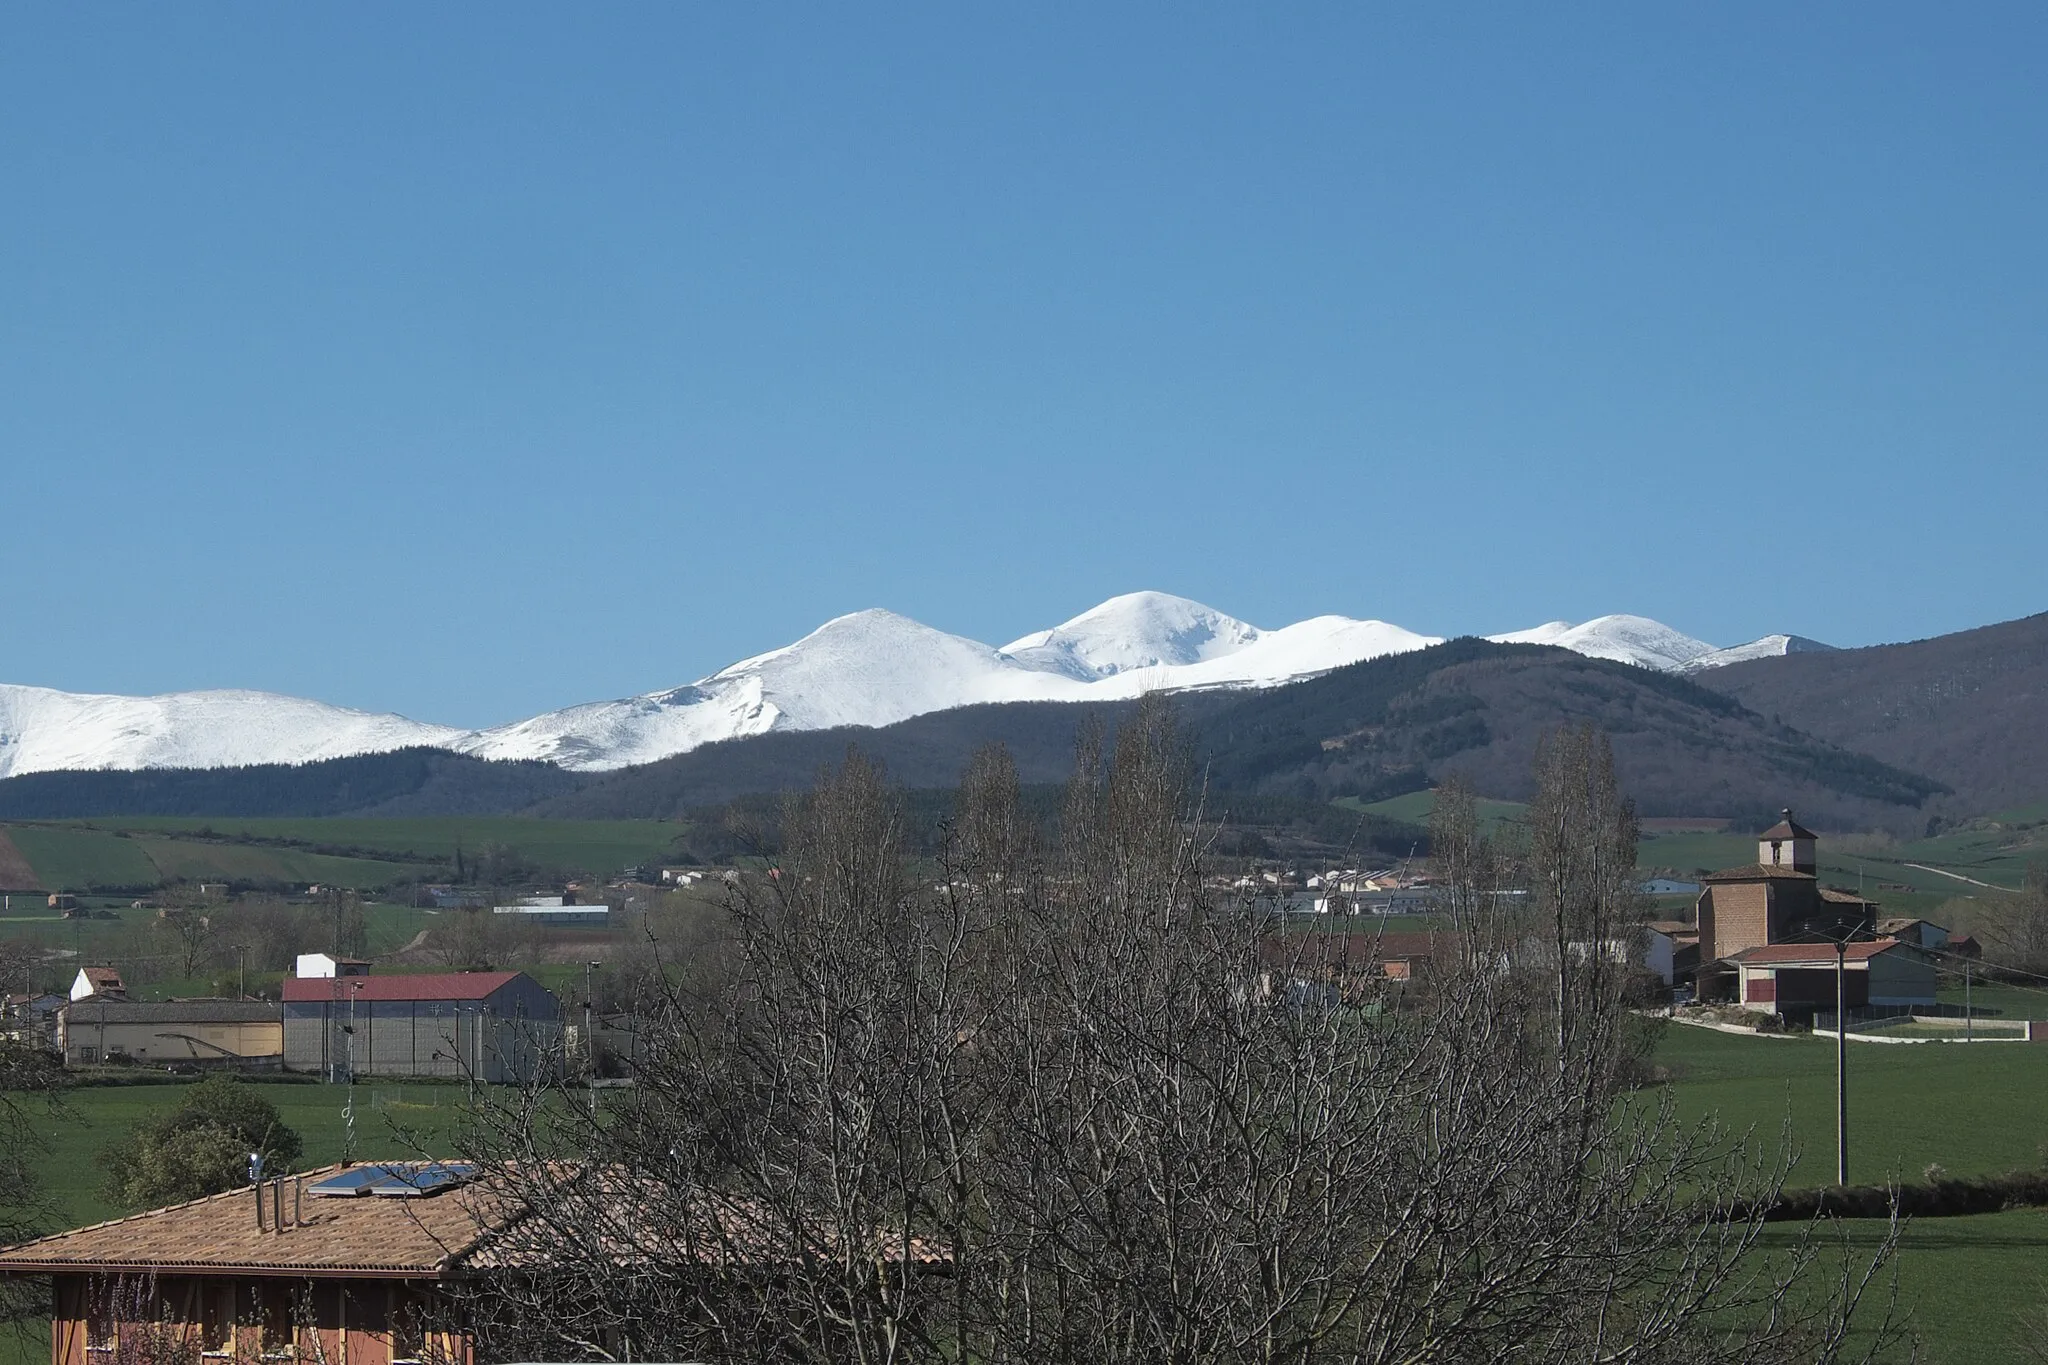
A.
pixel 235 1035
pixel 489 1026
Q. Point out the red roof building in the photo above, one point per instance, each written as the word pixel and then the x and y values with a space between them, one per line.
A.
pixel 489 1026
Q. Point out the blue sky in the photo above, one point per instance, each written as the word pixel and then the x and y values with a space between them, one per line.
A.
pixel 470 361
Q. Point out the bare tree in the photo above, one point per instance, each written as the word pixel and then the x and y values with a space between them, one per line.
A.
pixel 1049 1102
pixel 2017 924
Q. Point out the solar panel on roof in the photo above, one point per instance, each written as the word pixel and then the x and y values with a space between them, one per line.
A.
pixel 354 1180
pixel 408 1182
pixel 397 1179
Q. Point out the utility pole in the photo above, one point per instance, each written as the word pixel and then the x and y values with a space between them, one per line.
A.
pixel 1969 1015
pixel 589 1040
pixel 348 1110
pixel 1842 1060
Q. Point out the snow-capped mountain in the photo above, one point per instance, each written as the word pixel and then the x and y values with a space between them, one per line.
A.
pixel 42 729
pixel 1626 639
pixel 1769 647
pixel 1137 630
pixel 876 668
pixel 869 668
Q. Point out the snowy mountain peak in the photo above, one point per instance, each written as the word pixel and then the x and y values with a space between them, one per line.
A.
pixel 1626 639
pixel 42 729
pixel 1135 631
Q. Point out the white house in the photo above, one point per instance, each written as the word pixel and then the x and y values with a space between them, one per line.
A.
pixel 324 964
pixel 102 982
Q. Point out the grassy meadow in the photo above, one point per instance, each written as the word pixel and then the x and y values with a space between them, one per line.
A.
pixel 92 1118
pixel 1969 1285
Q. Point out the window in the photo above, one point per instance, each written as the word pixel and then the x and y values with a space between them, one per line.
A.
pixel 408 1327
pixel 216 1320
pixel 267 1314
pixel 100 1333
pixel 88 1055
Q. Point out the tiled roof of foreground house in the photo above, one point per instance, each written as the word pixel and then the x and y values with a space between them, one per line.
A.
pixel 429 1235
pixel 621 1220
pixel 365 1236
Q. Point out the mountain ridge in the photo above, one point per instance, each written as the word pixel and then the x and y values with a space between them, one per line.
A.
pixel 868 668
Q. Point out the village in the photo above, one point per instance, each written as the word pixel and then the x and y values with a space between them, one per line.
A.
pixel 361 1263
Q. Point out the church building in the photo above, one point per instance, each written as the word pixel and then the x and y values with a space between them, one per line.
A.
pixel 1768 930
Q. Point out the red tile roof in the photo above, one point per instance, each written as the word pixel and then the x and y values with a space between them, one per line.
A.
pixel 1756 872
pixel 419 1237
pixel 1788 828
pixel 424 986
pixel 468 1228
pixel 1796 954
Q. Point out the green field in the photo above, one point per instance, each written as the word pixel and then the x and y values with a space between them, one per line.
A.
pixel 1971 1290
pixel 1974 1110
pixel 93 1117
pixel 1994 851
pixel 1415 808
pixel 75 857
pixel 580 845
pixel 362 853
pixel 1971 1109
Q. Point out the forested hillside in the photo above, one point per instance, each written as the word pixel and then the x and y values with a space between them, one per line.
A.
pixel 403 782
pixel 1970 709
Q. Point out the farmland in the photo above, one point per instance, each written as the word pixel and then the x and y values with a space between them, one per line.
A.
pixel 1976 861
pixel 133 854
pixel 1969 1283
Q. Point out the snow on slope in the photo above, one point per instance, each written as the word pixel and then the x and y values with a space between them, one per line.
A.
pixel 869 668
pixel 1769 647
pixel 42 729
pixel 876 668
pixel 1626 639
pixel 1137 630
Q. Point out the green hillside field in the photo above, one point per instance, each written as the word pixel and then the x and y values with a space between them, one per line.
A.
pixel 141 852
pixel 1994 851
